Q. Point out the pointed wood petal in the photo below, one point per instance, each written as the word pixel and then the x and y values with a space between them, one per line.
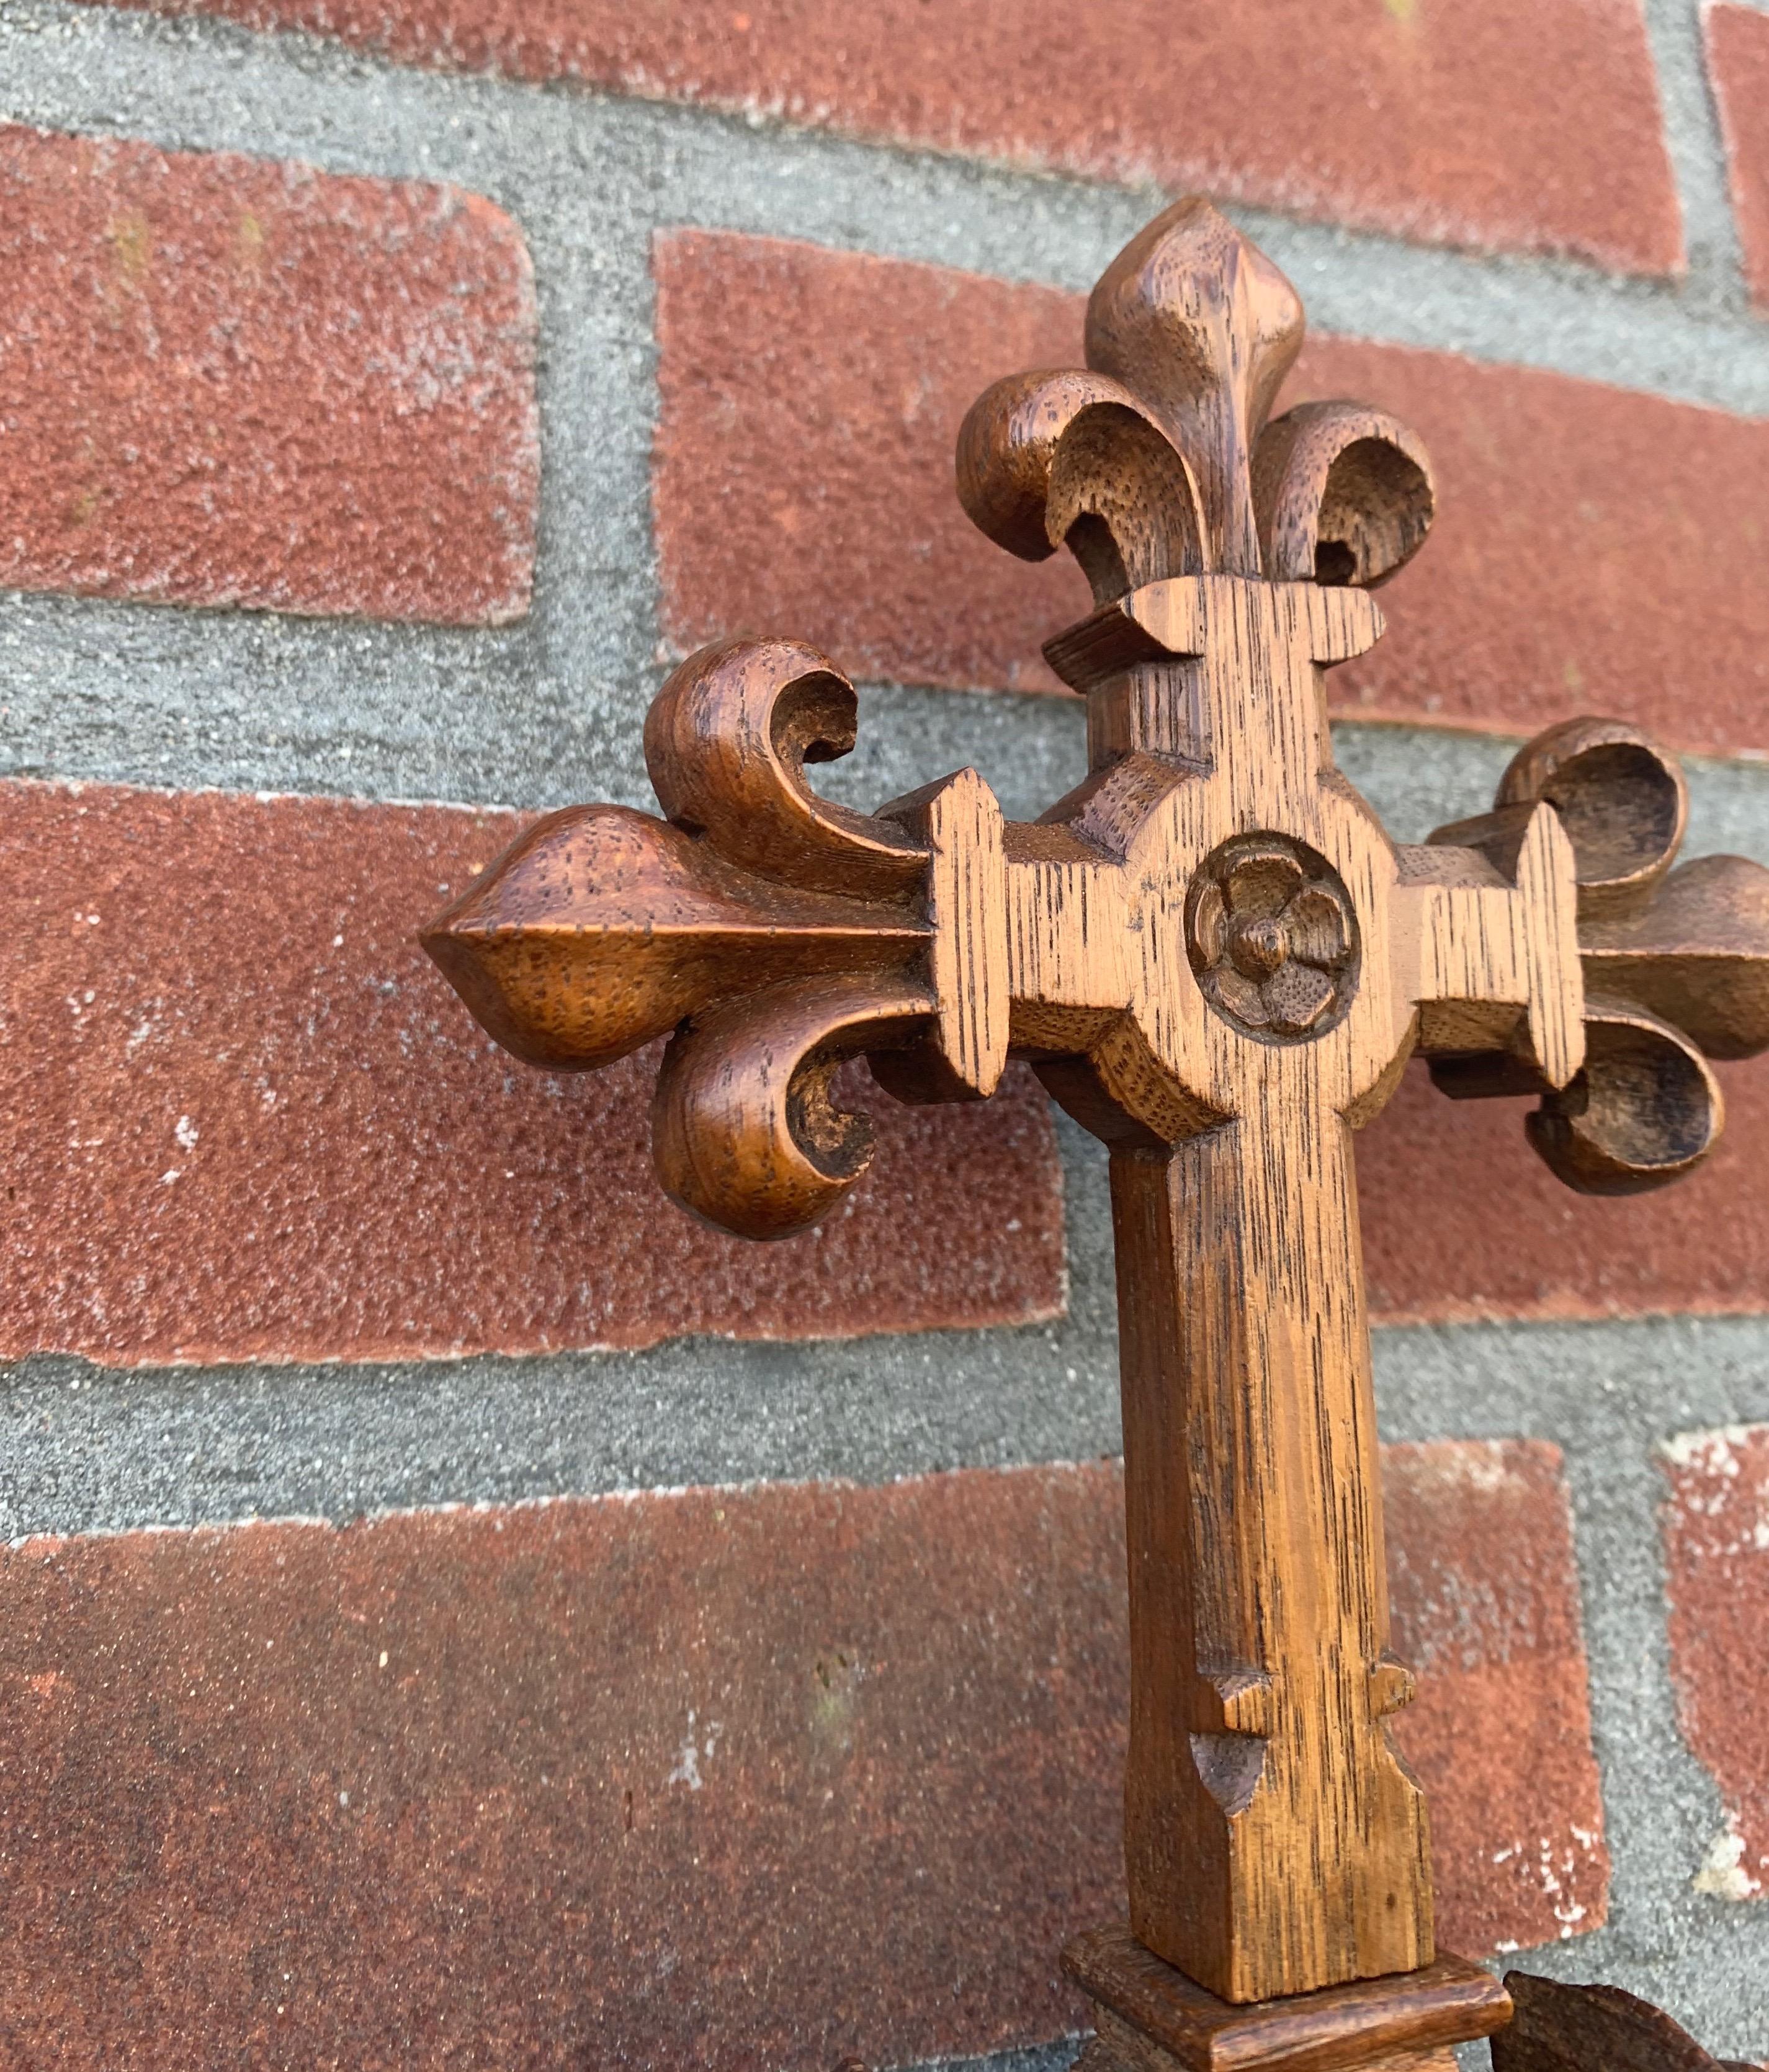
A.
pixel 1202 328
pixel 1698 957
pixel 600 928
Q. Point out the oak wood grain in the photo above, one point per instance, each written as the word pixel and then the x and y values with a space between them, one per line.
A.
pixel 1230 962
pixel 1257 1591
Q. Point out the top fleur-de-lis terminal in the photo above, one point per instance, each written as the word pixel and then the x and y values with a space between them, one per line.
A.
pixel 1214 957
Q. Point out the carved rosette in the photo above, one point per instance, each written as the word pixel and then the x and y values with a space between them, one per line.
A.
pixel 1271 934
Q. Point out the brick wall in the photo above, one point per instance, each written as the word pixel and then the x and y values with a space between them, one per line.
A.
pixel 459 1611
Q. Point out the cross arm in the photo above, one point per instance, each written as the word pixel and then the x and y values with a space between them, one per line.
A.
pixel 768 933
pixel 1670 965
pixel 771 935
pixel 1486 947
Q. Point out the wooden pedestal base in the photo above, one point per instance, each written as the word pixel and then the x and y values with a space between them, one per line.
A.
pixel 1151 2018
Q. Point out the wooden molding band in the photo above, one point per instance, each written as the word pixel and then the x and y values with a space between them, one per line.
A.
pixel 1449 2001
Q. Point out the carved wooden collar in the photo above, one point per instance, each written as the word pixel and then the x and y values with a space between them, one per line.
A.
pixel 1216 960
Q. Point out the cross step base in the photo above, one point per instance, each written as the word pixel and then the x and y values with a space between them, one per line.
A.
pixel 1152 2018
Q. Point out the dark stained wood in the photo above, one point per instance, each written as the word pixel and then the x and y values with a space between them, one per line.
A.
pixel 1343 494
pixel 600 928
pixel 1201 328
pixel 1675 963
pixel 1450 2001
pixel 1695 954
pixel 726 742
pixel 1594 2029
pixel 1621 798
pixel 1217 959
pixel 778 933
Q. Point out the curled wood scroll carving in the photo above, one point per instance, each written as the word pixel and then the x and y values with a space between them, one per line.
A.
pixel 1216 957
pixel 769 934
pixel 1675 962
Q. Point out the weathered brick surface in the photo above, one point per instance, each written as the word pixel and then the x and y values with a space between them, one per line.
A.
pixel 1739 64
pixel 1486 1610
pixel 1446 122
pixel 1461 1218
pixel 718 1777
pixel 809 405
pixel 241 1116
pixel 224 380
pixel 1597 550
pixel 1716 1524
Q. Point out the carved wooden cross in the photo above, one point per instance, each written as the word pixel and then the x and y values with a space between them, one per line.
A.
pixel 1219 962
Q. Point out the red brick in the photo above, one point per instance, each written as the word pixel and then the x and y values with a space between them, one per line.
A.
pixel 242 1116
pixel 1446 122
pixel 637 1781
pixel 1485 1610
pixel 1597 550
pixel 1716 1525
pixel 1738 62
pixel 224 380
pixel 1461 1220
pixel 809 407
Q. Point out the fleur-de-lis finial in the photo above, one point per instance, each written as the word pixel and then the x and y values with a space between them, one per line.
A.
pixel 774 933
pixel 1675 961
pixel 1158 460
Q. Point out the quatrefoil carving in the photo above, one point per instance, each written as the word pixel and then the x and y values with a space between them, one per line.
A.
pixel 1272 938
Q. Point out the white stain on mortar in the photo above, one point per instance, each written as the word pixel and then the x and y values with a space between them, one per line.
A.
pixel 1723 1874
